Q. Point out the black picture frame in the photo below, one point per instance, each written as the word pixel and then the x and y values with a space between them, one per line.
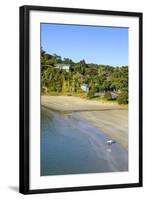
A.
pixel 25 105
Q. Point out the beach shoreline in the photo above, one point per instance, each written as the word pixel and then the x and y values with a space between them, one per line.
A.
pixel 111 119
pixel 77 104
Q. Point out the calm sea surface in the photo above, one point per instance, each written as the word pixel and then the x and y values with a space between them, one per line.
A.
pixel 73 146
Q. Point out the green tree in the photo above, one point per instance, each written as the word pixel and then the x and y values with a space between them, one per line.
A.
pixel 108 96
pixel 123 97
pixel 99 78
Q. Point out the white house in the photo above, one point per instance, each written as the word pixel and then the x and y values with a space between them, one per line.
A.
pixel 102 94
pixel 66 67
pixel 85 87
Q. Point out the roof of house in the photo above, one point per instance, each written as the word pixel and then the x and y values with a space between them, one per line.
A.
pixel 62 65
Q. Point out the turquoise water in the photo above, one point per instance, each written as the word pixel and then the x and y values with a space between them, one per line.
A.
pixel 73 146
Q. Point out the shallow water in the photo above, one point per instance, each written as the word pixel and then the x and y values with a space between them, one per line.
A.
pixel 73 146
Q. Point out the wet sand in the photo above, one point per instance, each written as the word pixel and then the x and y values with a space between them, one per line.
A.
pixel 71 145
pixel 113 123
pixel 110 118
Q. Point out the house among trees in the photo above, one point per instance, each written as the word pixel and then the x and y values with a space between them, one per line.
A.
pixel 95 80
pixel 66 67
pixel 114 95
pixel 108 94
pixel 85 87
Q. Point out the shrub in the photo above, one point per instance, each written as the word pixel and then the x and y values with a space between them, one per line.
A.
pixel 92 91
pixel 108 96
pixel 123 97
pixel 69 94
pixel 91 94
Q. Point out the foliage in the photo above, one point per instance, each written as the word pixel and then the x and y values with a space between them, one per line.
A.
pixel 123 97
pixel 99 78
pixel 108 96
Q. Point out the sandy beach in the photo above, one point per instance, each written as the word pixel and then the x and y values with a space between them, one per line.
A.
pixel 76 104
pixel 112 119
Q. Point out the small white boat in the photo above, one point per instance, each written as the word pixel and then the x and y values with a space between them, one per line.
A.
pixel 110 142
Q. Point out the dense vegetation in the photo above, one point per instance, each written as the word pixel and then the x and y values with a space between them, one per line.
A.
pixel 103 79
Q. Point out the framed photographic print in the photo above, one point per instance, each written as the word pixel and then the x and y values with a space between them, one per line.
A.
pixel 80 99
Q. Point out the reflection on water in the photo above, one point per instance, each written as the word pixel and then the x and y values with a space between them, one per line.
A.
pixel 71 146
pixel 109 150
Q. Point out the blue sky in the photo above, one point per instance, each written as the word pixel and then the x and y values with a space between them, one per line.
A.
pixel 100 45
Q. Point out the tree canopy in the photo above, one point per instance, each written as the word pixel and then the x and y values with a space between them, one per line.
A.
pixel 99 78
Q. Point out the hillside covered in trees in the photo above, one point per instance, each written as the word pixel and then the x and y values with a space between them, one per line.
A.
pixel 100 79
